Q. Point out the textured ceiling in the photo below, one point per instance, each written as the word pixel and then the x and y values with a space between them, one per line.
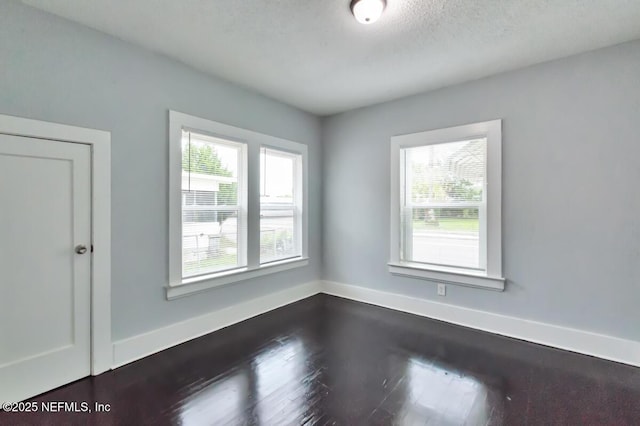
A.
pixel 314 55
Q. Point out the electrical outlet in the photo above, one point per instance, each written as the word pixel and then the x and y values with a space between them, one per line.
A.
pixel 442 290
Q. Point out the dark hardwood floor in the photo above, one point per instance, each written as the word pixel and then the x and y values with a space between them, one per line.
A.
pixel 330 361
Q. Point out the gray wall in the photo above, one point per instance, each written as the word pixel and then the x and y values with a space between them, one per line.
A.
pixel 54 70
pixel 571 182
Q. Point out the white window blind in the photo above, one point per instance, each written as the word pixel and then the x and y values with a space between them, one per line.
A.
pixel 280 205
pixel 443 200
pixel 213 221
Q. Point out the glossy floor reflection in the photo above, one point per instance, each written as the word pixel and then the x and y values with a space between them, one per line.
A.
pixel 329 361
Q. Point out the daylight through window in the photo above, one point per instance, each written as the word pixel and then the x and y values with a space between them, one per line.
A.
pixel 444 207
pixel 213 226
pixel 279 205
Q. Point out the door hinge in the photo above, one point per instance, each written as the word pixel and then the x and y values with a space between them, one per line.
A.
pixel 91 248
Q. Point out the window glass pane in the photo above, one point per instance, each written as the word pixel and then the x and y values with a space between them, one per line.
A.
pixel 444 194
pixel 276 183
pixel 210 228
pixel 276 235
pixel 279 212
pixel 447 172
pixel 444 236
pixel 209 241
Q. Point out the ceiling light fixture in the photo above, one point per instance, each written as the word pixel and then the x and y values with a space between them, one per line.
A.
pixel 367 11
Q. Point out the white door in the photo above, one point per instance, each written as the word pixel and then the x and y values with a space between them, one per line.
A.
pixel 45 221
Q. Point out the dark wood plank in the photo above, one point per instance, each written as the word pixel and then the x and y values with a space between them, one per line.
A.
pixel 328 361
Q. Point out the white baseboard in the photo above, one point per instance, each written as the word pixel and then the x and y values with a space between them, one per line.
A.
pixel 585 342
pixel 142 345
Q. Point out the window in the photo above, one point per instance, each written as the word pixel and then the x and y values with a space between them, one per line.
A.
pixel 446 205
pixel 280 201
pixel 214 193
pixel 237 204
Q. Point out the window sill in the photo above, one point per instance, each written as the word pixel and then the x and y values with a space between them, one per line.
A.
pixel 447 275
pixel 198 284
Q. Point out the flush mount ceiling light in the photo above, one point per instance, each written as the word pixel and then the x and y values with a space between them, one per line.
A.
pixel 367 11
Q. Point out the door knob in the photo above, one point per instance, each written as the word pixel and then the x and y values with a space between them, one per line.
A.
pixel 81 249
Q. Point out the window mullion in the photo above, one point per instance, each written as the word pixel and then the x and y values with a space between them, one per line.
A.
pixel 253 206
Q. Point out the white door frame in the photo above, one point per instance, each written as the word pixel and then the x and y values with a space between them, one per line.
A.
pixel 100 142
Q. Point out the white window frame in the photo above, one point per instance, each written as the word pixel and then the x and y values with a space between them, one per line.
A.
pixel 177 286
pixel 491 278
